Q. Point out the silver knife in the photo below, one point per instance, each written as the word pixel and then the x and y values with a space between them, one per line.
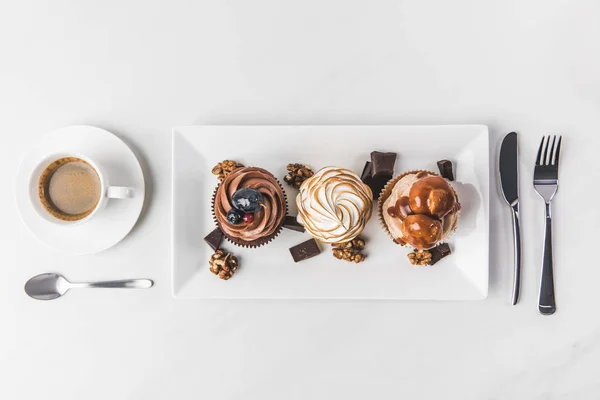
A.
pixel 509 177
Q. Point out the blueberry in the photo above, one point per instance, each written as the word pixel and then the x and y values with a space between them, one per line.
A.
pixel 247 200
pixel 235 217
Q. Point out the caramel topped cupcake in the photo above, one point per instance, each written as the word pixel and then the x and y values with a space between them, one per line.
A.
pixel 249 206
pixel 419 209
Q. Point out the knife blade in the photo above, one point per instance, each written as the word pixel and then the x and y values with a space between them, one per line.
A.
pixel 509 178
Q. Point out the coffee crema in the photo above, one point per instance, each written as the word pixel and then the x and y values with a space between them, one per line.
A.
pixel 69 189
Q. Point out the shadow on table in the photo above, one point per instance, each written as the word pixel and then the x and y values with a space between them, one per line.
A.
pixel 148 176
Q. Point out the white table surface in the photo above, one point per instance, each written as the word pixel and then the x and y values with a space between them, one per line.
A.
pixel 138 68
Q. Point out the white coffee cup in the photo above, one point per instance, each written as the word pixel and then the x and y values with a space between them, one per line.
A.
pixel 106 191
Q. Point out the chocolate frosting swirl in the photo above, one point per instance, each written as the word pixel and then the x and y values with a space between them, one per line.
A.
pixel 334 205
pixel 268 220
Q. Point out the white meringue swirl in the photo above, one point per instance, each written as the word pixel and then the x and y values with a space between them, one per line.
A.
pixel 334 205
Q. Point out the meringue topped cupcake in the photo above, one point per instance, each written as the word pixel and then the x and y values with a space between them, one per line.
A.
pixel 249 206
pixel 334 205
pixel 419 209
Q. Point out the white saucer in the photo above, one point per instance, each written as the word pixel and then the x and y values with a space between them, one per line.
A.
pixel 114 222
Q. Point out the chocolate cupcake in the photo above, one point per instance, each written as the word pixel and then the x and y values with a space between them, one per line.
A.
pixel 419 209
pixel 256 228
pixel 334 205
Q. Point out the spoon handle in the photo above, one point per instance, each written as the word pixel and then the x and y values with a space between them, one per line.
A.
pixel 125 283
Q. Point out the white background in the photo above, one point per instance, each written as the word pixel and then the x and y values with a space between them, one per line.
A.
pixel 138 68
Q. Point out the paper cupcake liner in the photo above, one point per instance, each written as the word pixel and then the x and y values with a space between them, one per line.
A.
pixel 386 193
pixel 257 242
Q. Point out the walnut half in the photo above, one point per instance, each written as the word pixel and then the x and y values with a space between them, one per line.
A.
pixel 297 173
pixel 419 257
pixel 223 264
pixel 350 251
pixel 225 167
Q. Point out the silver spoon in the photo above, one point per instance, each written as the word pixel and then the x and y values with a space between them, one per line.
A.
pixel 52 286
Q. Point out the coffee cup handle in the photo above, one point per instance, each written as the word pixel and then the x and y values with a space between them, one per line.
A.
pixel 120 192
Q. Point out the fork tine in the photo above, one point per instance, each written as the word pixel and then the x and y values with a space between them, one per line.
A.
pixel 538 160
pixel 545 159
pixel 551 152
pixel 557 152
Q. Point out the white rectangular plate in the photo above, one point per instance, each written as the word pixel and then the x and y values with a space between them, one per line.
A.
pixel 269 272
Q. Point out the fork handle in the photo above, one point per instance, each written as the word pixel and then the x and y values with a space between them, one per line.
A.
pixel 547 305
pixel 517 247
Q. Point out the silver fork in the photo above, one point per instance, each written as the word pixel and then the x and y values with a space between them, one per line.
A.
pixel 545 182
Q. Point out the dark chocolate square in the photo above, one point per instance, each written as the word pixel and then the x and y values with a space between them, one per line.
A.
pixel 305 250
pixel 214 239
pixel 375 183
pixel 445 167
pixel 382 164
pixel 291 223
pixel 378 183
pixel 366 174
pixel 438 252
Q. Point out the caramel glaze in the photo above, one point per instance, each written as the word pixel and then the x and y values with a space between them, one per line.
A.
pixel 422 212
pixel 399 241
pixel 432 195
pixel 401 209
pixel 421 231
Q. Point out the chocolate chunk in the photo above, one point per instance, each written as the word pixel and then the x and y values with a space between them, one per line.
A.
pixel 445 167
pixel 305 250
pixel 382 164
pixel 375 183
pixel 382 170
pixel 366 174
pixel 214 239
pixel 438 252
pixel 292 223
